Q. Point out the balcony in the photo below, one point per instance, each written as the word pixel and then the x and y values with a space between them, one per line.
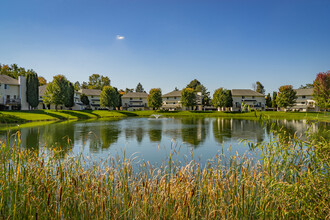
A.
pixel 13 101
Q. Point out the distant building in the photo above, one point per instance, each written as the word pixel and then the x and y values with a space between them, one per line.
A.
pixel 13 93
pixel 172 100
pixel 133 101
pixel 304 101
pixel 94 97
pixel 253 99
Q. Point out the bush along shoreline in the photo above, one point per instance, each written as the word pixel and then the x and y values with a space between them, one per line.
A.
pixel 291 180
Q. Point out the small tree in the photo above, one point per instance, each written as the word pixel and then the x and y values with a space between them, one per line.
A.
pixel 84 99
pixel 321 91
pixel 274 104
pixel 260 88
pixel 286 96
pixel 32 89
pixel 222 98
pixel 69 98
pixel 188 97
pixel 76 86
pixel 109 97
pixel 139 88
pixel 56 91
pixel 155 98
pixel 268 101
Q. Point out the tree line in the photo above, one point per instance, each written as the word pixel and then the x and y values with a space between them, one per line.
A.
pixel 61 91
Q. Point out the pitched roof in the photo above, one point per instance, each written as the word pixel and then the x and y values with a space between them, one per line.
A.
pixel 42 90
pixel 96 92
pixel 8 80
pixel 304 91
pixel 245 92
pixel 173 94
pixel 135 95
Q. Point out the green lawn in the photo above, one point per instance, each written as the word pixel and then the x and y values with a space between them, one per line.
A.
pixel 52 115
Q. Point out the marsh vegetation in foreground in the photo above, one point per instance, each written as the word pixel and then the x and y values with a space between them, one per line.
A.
pixel 290 180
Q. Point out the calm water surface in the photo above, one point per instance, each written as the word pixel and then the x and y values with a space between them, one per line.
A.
pixel 151 139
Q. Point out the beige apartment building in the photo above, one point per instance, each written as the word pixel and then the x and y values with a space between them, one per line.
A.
pixel 13 93
pixel 133 101
pixel 255 100
pixel 172 100
pixel 304 101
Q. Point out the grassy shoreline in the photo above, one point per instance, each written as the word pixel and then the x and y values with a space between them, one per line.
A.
pixel 8 117
pixel 288 182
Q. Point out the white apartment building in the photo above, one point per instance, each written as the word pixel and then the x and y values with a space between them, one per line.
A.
pixel 255 100
pixel 304 101
pixel 13 93
pixel 133 101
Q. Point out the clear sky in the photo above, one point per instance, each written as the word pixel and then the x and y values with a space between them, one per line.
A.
pixel 168 43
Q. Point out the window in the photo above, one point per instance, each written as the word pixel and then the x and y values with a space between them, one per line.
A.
pixel 243 97
pixel 6 86
pixel 303 103
pixel 8 96
pixel 92 96
pixel 253 97
pixel 167 98
pixel 130 98
pixel 140 98
pixel 174 97
pixel 14 96
pixel 303 96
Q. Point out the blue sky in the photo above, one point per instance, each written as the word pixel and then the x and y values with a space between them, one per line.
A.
pixel 223 43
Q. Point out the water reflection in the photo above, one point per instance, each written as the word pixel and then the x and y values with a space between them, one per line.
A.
pixel 141 134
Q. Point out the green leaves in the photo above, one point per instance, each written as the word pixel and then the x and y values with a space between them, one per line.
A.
pixel 109 97
pixel 222 98
pixel 286 96
pixel 321 91
pixel 155 98
pixel 188 97
pixel 32 89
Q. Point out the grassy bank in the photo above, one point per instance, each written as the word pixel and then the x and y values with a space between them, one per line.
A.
pixel 289 182
pixel 52 115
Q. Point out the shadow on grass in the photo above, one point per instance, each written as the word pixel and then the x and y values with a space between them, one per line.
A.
pixel 79 115
pixel 128 113
pixel 4 118
pixel 44 112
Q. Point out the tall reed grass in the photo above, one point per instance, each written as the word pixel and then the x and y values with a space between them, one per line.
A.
pixel 290 181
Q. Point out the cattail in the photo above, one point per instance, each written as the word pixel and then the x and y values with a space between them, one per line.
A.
pixel 60 194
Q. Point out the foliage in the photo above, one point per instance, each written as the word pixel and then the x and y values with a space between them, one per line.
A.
pixel 42 81
pixel 222 98
pixel 32 89
pixel 274 104
pixel 76 86
pixel 286 96
pixel 307 86
pixel 193 84
pixel 69 98
pixel 155 98
pixel 269 101
pixel 127 90
pixel 321 91
pixel 97 81
pixel 109 97
pixel 260 88
pixel 56 91
pixel 84 99
pixel 84 85
pixel 139 88
pixel 13 70
pixel 188 97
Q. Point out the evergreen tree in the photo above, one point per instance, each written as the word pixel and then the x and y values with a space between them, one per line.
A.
pixel 274 104
pixel 76 86
pixel 84 99
pixel 139 88
pixel 268 101
pixel 155 98
pixel 32 89
pixel 69 98
pixel 109 97
pixel 259 87
pixel 188 97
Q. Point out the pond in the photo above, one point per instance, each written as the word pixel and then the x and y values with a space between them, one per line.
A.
pixel 151 139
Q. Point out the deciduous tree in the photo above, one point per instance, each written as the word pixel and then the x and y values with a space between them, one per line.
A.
pixel 76 86
pixel 188 97
pixel 321 91
pixel 222 98
pixel 84 99
pixel 109 97
pixel 258 87
pixel 97 81
pixel 286 96
pixel 56 91
pixel 155 98
pixel 42 81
